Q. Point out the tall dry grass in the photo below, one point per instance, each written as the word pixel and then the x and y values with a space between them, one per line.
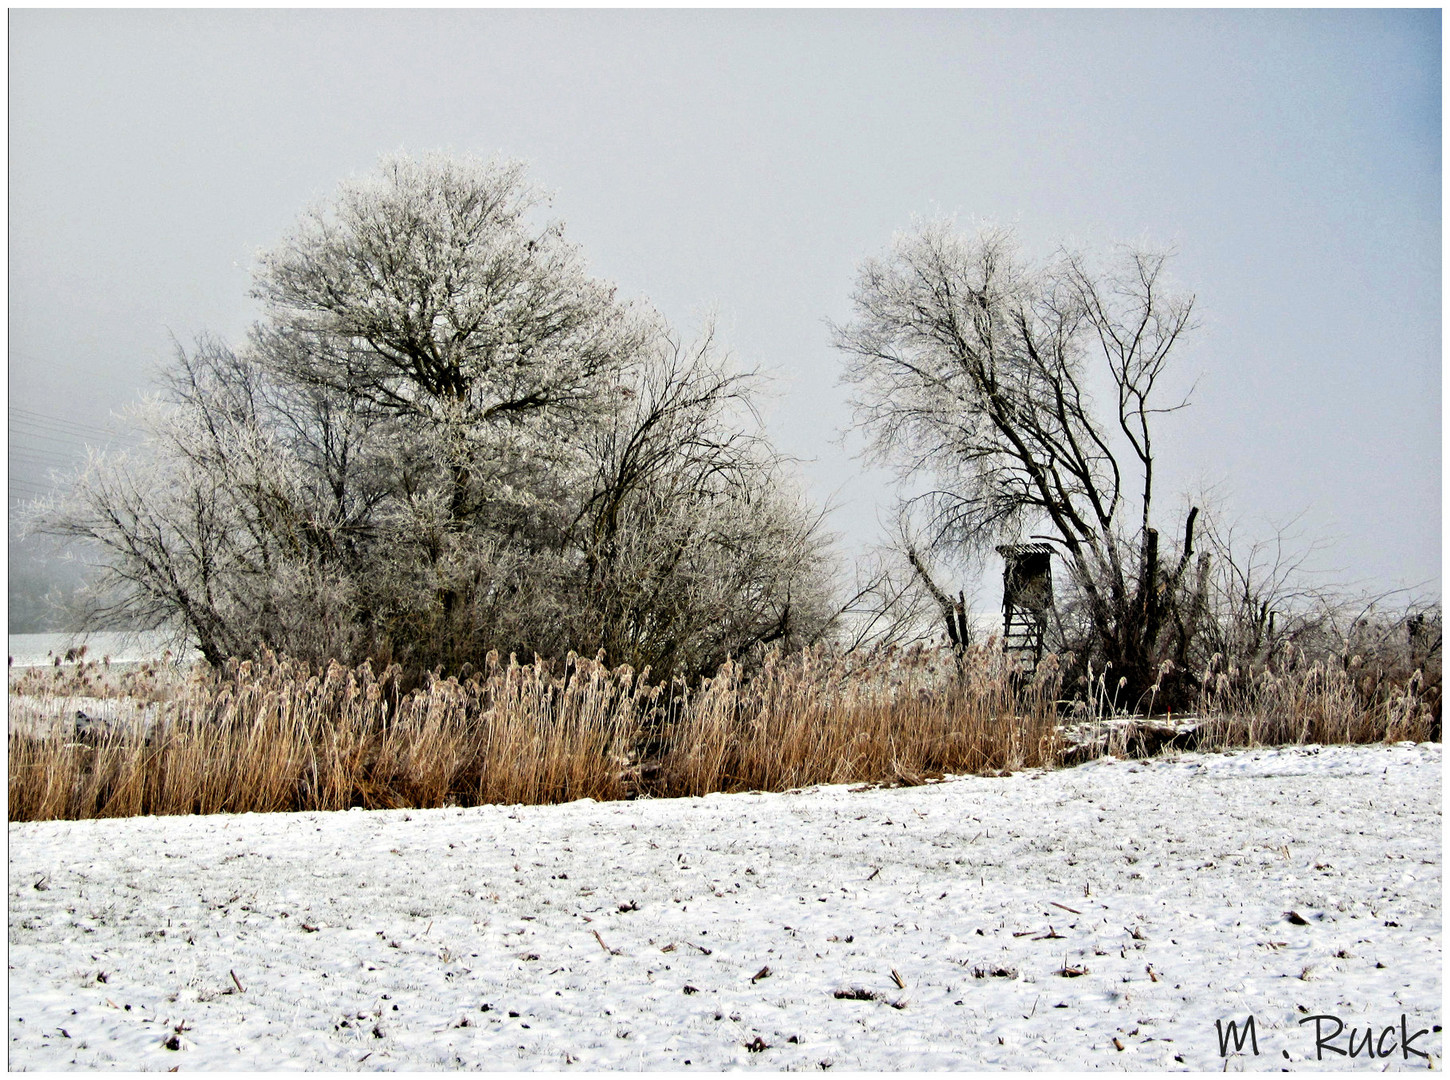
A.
pixel 278 735
pixel 812 718
pixel 1293 700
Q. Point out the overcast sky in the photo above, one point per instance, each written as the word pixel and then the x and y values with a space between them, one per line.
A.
pixel 746 161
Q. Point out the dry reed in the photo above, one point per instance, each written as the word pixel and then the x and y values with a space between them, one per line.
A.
pixel 903 716
pixel 1293 701
pixel 274 734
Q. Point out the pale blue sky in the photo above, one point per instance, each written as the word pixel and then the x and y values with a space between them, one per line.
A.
pixel 746 161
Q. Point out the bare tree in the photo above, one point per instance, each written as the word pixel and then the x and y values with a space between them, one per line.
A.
pixel 1255 599
pixel 972 369
pixel 896 602
pixel 216 523
pixel 690 502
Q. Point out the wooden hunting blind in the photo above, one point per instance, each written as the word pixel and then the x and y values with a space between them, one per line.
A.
pixel 1026 599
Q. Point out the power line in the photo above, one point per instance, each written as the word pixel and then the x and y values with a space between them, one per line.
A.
pixel 73 440
pixel 55 426
pixel 44 455
pixel 32 474
pixel 38 432
pixel 36 470
pixel 42 449
pixel 36 414
pixel 30 440
pixel 28 480
pixel 20 415
pixel 37 440
pixel 54 443
pixel 70 438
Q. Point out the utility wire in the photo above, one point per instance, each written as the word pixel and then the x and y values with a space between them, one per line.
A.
pixel 52 425
pixel 19 416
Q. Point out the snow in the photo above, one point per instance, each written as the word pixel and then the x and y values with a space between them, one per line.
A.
pixel 57 714
pixel 122 646
pixel 566 936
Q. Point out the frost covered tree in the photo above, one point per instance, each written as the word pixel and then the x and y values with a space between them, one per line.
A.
pixel 691 513
pixel 975 371
pixel 426 293
pixel 444 436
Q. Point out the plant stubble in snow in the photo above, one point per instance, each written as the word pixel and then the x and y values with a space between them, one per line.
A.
pixel 1104 916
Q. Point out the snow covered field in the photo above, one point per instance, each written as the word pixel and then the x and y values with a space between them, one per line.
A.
pixel 1098 917
pixel 122 646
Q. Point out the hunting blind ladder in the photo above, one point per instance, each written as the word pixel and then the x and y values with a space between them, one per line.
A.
pixel 1026 599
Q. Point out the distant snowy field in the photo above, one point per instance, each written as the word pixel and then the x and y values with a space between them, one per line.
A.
pixel 443 939
pixel 123 647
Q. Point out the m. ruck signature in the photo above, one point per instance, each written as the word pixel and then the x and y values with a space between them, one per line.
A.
pixel 1369 1042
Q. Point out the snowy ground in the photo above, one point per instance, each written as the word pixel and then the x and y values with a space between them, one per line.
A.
pixel 121 646
pixel 714 933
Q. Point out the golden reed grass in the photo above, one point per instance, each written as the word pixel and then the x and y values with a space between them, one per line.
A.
pixel 1294 702
pixel 273 734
